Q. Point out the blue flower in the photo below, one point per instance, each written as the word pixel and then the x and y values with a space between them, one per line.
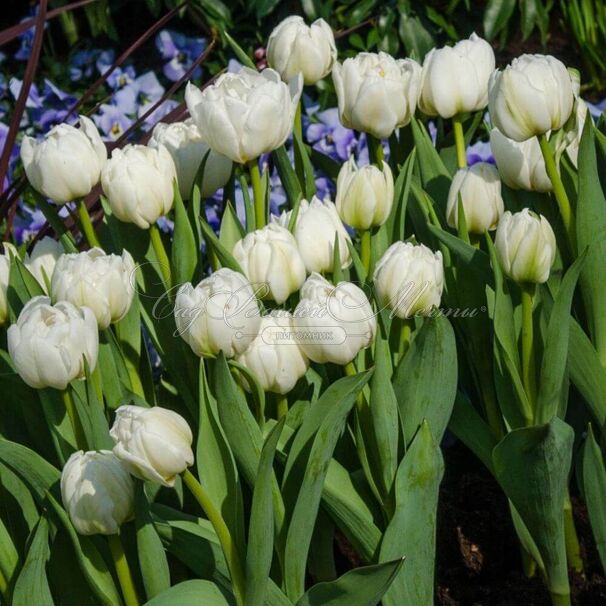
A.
pixel 480 152
pixel 27 39
pixel 181 52
pixel 83 64
pixel 121 76
pixel 112 122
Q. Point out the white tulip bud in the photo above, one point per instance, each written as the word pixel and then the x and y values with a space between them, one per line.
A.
pixel 364 194
pixel 480 189
pixel 246 114
pixel 530 97
pixel 270 259
pixel 573 137
pixel 187 149
pixel 67 163
pixel 521 164
pixel 153 443
pixel 274 356
pixel 42 260
pixel 295 47
pixel 103 283
pixel 409 279
pixel 338 321
pixel 526 246
pixel 220 314
pixel 48 343
pixel 455 79
pixel 98 492
pixel 138 182
pixel 7 251
pixel 317 225
pixel 376 93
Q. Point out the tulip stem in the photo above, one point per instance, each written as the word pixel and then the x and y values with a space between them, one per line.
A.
pixel 255 178
pixel 406 326
pixel 365 251
pixel 528 364
pixel 123 570
pixel 72 413
pixel 375 151
pixel 158 246
pixel 281 405
pixel 299 169
pixel 86 224
pixel 223 534
pixel 573 549
pixel 560 599
pixel 459 137
pixel 560 192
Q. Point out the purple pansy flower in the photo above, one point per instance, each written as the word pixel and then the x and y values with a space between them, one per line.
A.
pixel 181 51
pixel 112 122
pixel 480 152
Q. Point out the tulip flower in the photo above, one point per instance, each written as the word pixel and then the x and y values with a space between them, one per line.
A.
pixel 274 356
pixel 316 227
pixel 409 279
pixel 153 443
pixel 187 149
pixel 49 343
pixel 219 315
pixel 376 93
pixel 479 188
pixel 103 283
pixel 5 266
pixel 42 260
pixel 67 163
pixel 525 246
pixel 270 259
pixel 98 492
pixel 339 320
pixel 294 47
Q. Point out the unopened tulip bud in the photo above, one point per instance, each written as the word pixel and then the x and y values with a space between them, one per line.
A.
pixel 42 260
pixel 6 251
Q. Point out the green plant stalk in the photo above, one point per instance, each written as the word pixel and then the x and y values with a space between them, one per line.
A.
pixel 72 413
pixel 158 246
pixel 559 599
pixel 365 250
pixel 281 405
pixel 406 326
pixel 299 169
pixel 573 549
pixel 86 224
pixel 4 589
pixel 255 178
pixel 123 570
pixel 375 150
pixel 529 566
pixel 459 137
pixel 223 534
pixel 560 193
pixel 528 362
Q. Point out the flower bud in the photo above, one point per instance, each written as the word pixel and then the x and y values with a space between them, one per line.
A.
pixel 42 260
pixel 572 140
pixel 530 97
pixel 220 314
pixel 295 47
pixel 98 492
pixel 317 225
pixel 67 163
pixel 5 269
pixel 187 149
pixel 274 356
pixel 48 343
pixel 270 259
pixel 455 79
pixel 338 320
pixel 138 182
pixel 103 283
pixel 364 194
pixel 246 114
pixel 526 246
pixel 376 93
pixel 480 189
pixel 521 165
pixel 409 279
pixel 153 443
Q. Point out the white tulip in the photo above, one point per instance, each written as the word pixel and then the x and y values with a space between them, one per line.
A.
pixel 98 492
pixel 295 47
pixel 103 283
pixel 48 343
pixel 530 97
pixel 480 189
pixel 376 93
pixel 455 79
pixel 317 225
pixel 573 137
pixel 220 314
pixel 138 182
pixel 525 246
pixel 274 357
pixel 409 279
pixel 521 164
pixel 8 250
pixel 42 260
pixel 270 259
pixel 364 194
pixel 153 443
pixel 246 114
pixel 187 149
pixel 67 163
pixel 336 321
